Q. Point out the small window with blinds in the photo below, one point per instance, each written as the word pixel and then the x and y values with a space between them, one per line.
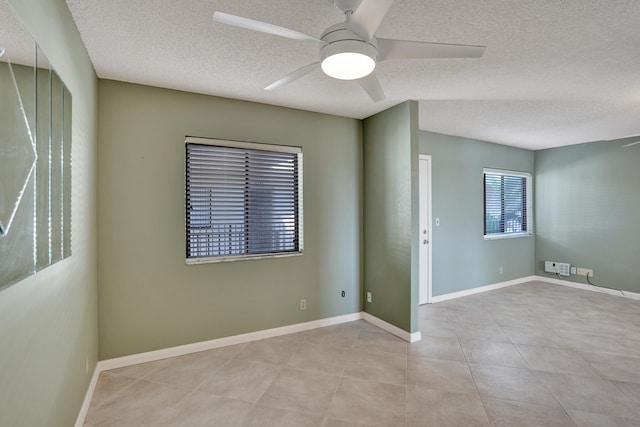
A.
pixel 243 200
pixel 507 204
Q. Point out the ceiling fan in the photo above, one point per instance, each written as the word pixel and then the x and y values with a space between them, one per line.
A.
pixel 350 50
pixel 631 144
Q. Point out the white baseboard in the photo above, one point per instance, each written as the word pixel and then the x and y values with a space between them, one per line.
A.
pixel 84 409
pixel 481 289
pixel 165 353
pixel 587 287
pixel 392 329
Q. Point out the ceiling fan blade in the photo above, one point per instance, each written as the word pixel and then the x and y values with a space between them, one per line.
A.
pixel 403 49
pixel 631 144
pixel 293 76
pixel 368 16
pixel 371 85
pixel 251 24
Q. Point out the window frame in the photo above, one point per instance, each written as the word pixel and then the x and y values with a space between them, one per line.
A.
pixel 298 185
pixel 528 176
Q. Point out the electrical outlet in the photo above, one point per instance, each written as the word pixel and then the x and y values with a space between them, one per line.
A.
pixel 303 304
pixel 585 272
pixel 501 271
pixel 368 296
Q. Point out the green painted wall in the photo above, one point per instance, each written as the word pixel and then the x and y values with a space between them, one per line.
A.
pixel 48 322
pixel 391 215
pixel 587 211
pixel 461 258
pixel 148 298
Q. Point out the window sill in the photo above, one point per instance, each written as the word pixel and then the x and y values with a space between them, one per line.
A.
pixel 215 260
pixel 507 236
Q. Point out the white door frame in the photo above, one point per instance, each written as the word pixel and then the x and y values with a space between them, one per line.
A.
pixel 424 171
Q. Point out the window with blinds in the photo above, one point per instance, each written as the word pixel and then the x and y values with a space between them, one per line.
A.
pixel 507 203
pixel 242 200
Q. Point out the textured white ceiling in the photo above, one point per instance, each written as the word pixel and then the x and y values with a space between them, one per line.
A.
pixel 556 72
pixel 15 40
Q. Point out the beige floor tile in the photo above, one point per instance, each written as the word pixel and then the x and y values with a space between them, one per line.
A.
pixel 138 371
pixel 382 367
pixel 241 379
pixel 273 350
pixel 560 360
pixel 517 384
pixel 510 306
pixel 480 332
pixel 470 315
pixel 447 348
pixel 515 320
pixel 330 422
pixel 380 341
pixel 587 419
pixel 591 343
pixel 614 367
pixel 433 312
pixel 590 394
pixel 439 374
pixel 140 404
pixel 227 352
pixel 628 346
pixel 186 371
pixel 426 407
pixel 324 359
pixel 534 335
pixel 263 416
pixel 507 413
pixel 369 403
pixel 493 353
pixel 630 389
pixel 204 409
pixel 440 328
pixel 108 386
pixel 340 335
pixel 300 391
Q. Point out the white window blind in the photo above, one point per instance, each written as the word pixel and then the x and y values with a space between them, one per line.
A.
pixel 507 203
pixel 242 199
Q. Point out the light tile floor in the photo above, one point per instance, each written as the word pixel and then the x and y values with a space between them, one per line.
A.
pixel 529 355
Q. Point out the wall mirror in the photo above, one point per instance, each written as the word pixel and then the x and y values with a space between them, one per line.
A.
pixel 35 156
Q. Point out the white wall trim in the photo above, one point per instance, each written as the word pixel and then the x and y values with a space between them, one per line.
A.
pixel 392 329
pixel 481 289
pixel 425 292
pixel 587 287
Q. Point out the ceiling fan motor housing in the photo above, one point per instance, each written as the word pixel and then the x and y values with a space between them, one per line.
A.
pixel 340 40
pixel 340 33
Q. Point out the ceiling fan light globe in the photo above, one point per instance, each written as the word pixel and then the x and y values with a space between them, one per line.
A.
pixel 348 65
